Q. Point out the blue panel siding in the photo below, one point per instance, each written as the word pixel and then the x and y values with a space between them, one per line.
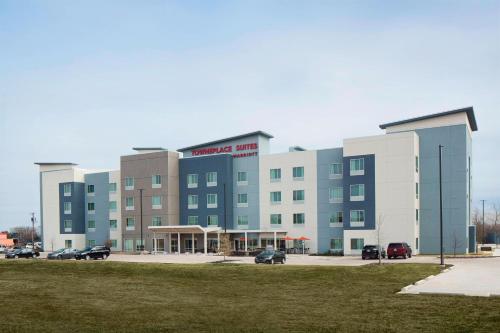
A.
pixel 223 165
pixel 456 214
pixel 368 205
pixel 326 157
pixel 77 215
pixel 101 201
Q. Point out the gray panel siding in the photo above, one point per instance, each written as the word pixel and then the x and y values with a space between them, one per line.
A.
pixel 77 215
pixel 101 201
pixel 455 187
pixel 325 208
pixel 251 166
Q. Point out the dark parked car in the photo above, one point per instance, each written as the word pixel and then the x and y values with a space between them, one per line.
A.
pixel 22 253
pixel 95 252
pixel 395 250
pixel 62 254
pixel 270 257
pixel 371 252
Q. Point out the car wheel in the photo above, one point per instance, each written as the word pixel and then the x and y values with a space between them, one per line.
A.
pixel 87 257
pixel 272 261
pixel 16 257
pixel 409 256
pixel 104 256
pixel 33 256
pixel 405 256
pixel 59 257
pixel 283 261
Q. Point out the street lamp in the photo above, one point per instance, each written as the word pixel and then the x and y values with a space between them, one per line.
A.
pixel 141 248
pixel 441 206
pixel 483 222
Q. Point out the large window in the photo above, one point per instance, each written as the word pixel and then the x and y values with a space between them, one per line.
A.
pixel 68 225
pixel 67 208
pixel 156 181
pixel 275 197
pixel 357 217
pixel 128 245
pixel 242 200
pixel 129 203
pixel 275 175
pixel 357 192
pixel 91 242
pixel 298 196
pixel 242 178
pixel 113 224
pixel 192 220
pixel 192 180
pixel 336 244
pixel 91 207
pixel 91 225
pixel 156 202
pixel 67 190
pixel 211 179
pixel 337 218
pixel 416 190
pixel 298 173
pixel 90 189
pixel 129 183
pixel 212 220
pixel 242 221
pixel 112 187
pixel 192 201
pixel 336 194
pixel 335 170
pixel 275 219
pixel 130 223
pixel 416 215
pixel 357 243
pixel 156 221
pixel 357 166
pixel 112 206
pixel 68 243
pixel 299 218
pixel 416 164
pixel 212 200
pixel 114 243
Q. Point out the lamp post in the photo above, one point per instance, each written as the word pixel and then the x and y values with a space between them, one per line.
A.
pixel 483 223
pixel 33 229
pixel 140 204
pixel 441 207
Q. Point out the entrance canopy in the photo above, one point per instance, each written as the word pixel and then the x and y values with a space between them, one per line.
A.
pixel 187 229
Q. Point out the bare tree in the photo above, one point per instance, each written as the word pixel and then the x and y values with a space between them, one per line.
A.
pixel 477 221
pixel 225 245
pixel 496 216
pixel 378 229
pixel 455 243
pixel 24 234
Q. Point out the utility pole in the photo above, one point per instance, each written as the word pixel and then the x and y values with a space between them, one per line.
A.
pixel 140 204
pixel 441 206
pixel 33 229
pixel 483 222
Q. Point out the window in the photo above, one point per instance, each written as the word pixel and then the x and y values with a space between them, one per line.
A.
pixel 114 243
pixel 242 178
pixel 68 225
pixel 336 244
pixel 416 164
pixel 211 179
pixel 192 180
pixel 112 206
pixel 156 201
pixel 299 218
pixel 112 187
pixel 192 220
pixel 275 198
pixel 156 181
pixel 416 243
pixel 212 220
pixel 336 170
pixel 357 166
pixel 357 218
pixel 113 224
pixel 357 192
pixel 242 200
pixel 357 243
pixel 275 175
pixel 91 225
pixel 156 221
pixel 416 215
pixel 336 219
pixel 242 221
pixel 138 244
pixel 276 219
pixel 90 189
pixel 67 208
pixel 336 194
pixel 91 207
pixel 128 245
pixel 91 242
pixel 192 201
pixel 67 190
pixel 416 190
pixel 68 243
pixel 212 200
pixel 129 203
pixel 130 223
pixel 129 183
pixel 298 173
pixel 298 196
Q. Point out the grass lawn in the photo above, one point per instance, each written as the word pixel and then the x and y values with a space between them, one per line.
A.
pixel 70 296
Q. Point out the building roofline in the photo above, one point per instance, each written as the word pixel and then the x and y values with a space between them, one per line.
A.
pixel 269 136
pixel 468 110
pixel 55 163
pixel 148 148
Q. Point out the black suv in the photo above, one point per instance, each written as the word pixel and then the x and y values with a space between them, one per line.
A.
pixel 270 257
pixel 95 252
pixel 371 252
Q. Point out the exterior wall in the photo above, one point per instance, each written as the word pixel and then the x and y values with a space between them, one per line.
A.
pixel 100 198
pixel 77 215
pixel 222 164
pixel 142 167
pixel 456 217
pixel 115 234
pixel 395 179
pixel 326 232
pixel 443 121
pixel 287 185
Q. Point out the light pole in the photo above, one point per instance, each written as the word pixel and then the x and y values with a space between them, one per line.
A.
pixel 441 206
pixel 33 229
pixel 483 222
pixel 140 204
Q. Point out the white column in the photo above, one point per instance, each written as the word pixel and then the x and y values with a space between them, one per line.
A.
pixel 179 242
pixel 218 241
pixel 205 241
pixel 192 243
pixel 246 241
pixel 275 240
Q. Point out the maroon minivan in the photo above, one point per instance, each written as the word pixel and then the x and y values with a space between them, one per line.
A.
pixel 395 250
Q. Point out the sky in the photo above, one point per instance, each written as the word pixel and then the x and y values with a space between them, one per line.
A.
pixel 85 81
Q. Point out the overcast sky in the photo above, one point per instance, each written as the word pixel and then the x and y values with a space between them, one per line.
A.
pixel 84 81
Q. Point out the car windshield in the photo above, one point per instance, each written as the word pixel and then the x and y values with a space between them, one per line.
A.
pixel 267 253
pixel 88 248
pixel 370 247
pixel 59 251
pixel 395 245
